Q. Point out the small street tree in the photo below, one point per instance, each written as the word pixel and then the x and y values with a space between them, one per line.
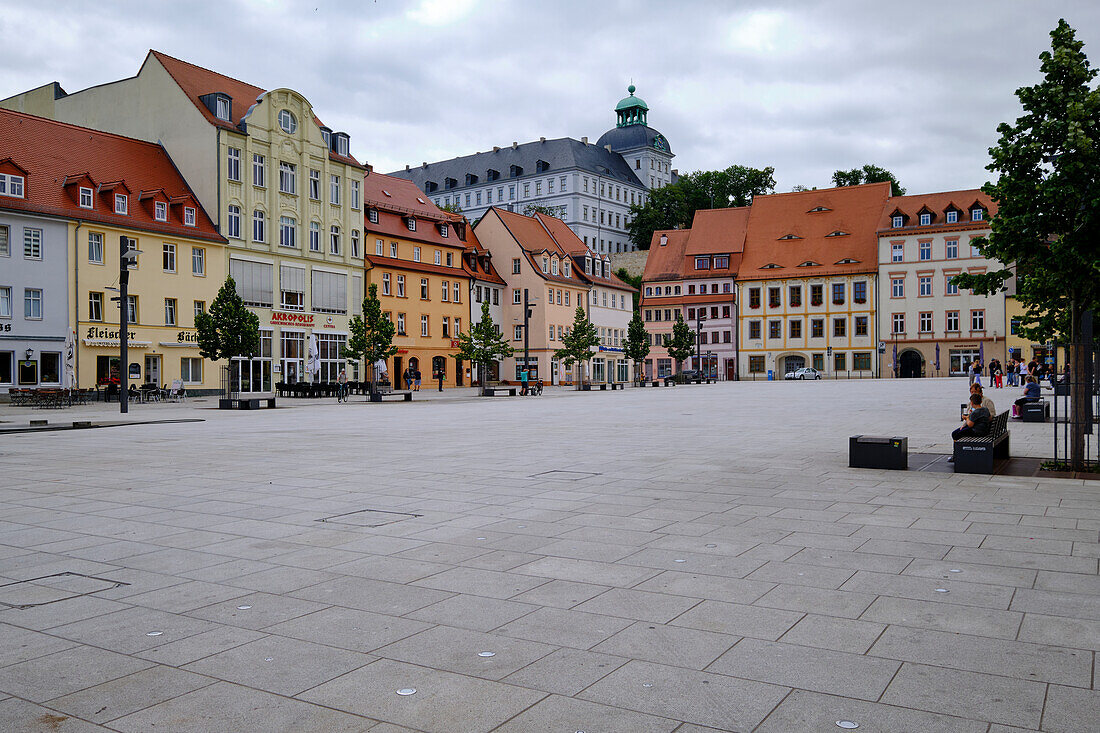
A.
pixel 682 344
pixel 1047 223
pixel 228 328
pixel 483 345
pixel 371 336
pixel 636 343
pixel 579 342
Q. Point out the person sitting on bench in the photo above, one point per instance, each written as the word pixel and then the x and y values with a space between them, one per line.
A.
pixel 976 389
pixel 1032 393
pixel 976 422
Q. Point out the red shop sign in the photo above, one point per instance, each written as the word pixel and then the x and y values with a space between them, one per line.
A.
pixel 292 319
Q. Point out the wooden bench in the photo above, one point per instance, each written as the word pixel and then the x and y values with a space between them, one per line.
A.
pixel 617 385
pixel 405 395
pixel 975 454
pixel 494 391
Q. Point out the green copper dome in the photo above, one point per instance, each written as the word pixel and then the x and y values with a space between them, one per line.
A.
pixel 631 110
pixel 631 101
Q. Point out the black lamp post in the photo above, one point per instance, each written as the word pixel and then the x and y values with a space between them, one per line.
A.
pixel 127 255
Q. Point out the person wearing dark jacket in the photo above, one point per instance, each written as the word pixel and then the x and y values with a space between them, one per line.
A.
pixel 976 423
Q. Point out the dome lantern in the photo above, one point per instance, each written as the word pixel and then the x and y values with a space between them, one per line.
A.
pixel 631 110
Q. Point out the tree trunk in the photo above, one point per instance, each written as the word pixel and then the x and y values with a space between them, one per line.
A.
pixel 1080 390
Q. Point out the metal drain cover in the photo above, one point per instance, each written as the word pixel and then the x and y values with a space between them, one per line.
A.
pixel 369 518
pixel 39 591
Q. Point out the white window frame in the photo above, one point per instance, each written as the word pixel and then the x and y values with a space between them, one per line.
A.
pixel 288 123
pixel 233 222
pixel 925 219
pixel 334 240
pixel 5 301
pixel 188 216
pixel 221 108
pixel 314 237
pixel 11 185
pixel 95 248
pixel 922 281
pixel 334 190
pixel 160 211
pixel 952 217
pixel 897 287
pixel 86 199
pixel 168 257
pixel 198 261
pixel 122 204
pixel 233 164
pixel 416 254
pixel 32 296
pixel 259 171
pixel 169 311
pixel 314 184
pixel 288 178
pixel 353 189
pixel 288 231
pixel 897 252
pixel 259 226
pixel 95 306
pixel 33 243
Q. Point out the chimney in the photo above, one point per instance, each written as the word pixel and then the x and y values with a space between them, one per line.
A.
pixel 664 239
pixel 514 145
pixel 542 139
pixel 424 164
pixel 584 139
pixel 607 147
pixel 496 148
pixel 406 166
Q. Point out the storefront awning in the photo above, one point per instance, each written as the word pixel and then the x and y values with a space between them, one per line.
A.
pixel 114 343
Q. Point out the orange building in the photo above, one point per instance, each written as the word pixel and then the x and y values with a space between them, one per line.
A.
pixel 414 254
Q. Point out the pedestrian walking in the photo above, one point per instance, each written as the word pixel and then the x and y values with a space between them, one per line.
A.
pixel 439 376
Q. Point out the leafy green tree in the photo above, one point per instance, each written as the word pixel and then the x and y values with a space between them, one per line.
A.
pixel 579 342
pixel 371 336
pixel 532 209
pixel 453 208
pixel 483 345
pixel 228 328
pixel 1048 208
pixel 674 206
pixel 868 174
pixel 636 343
pixel 634 281
pixel 682 344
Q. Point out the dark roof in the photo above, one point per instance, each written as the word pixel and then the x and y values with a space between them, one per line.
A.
pixel 632 136
pixel 562 153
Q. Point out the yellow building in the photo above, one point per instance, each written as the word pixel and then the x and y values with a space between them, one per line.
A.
pixel 89 189
pixel 414 256
pixel 282 188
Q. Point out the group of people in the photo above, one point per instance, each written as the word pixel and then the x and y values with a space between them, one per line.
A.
pixel 978 415
pixel 1015 372
pixel 412 379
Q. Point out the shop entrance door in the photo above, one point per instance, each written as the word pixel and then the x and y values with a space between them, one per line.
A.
pixel 398 373
pixel 731 369
pixel 292 370
pixel 910 364
pixel 152 370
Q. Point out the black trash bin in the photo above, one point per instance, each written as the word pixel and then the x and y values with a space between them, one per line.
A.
pixel 872 451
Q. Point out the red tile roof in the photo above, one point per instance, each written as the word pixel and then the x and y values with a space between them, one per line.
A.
pixel 666 261
pixel 534 239
pixel 196 81
pixel 396 199
pixel 53 153
pixel 824 226
pixel 937 204
pixel 568 240
pixel 482 266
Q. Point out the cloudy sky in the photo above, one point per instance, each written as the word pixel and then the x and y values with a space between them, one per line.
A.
pixel 804 86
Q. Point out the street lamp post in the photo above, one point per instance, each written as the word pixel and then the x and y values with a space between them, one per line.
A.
pixel 699 339
pixel 127 254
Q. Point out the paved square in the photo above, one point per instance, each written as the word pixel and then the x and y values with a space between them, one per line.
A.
pixel 690 559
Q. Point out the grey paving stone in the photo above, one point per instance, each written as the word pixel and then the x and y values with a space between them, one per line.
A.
pixel 694 697
pixel 801 574
pixel 186 596
pixel 697 585
pixel 20 715
pixel 1052 603
pixel 191 648
pixel 830 632
pixel 228 707
pixel 557 713
pixel 561 627
pixel 844 603
pixel 640 605
pixel 944 617
pixel 853 560
pixel 972 573
pixel 69 670
pixel 441 698
pixel 278 664
pixel 481 582
pixel 819 670
pixel 1071 710
pixel 925 550
pixel 561 593
pixel 393 569
pixel 980 654
pixel 1068 582
pixel 812 711
pixel 566 671
pixel 1030 560
pixel 459 650
pixel 371 595
pixel 477 613
pixel 264 609
pixel 1060 631
pixel 920 588
pixel 586 571
pixel 281 579
pixel 967 694
pixel 18 645
pixel 41 618
pixel 129 694
pixel 127 631
pixel 678 646
pixel 736 619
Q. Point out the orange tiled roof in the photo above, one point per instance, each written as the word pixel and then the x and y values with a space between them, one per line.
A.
pixel 788 229
pixel 665 262
pixel 196 81
pixel 568 240
pixel 937 204
pixel 58 158
pixel 482 266
pixel 396 199
pixel 534 238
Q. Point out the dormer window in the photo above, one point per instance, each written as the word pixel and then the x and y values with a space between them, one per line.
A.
pixel 492 175
pixel 808 263
pixel 588 266
pixel 11 185
pixel 410 223
pixel 837 233
pixel 515 171
pixel 897 222
pixel 773 266
pixel 702 263
pixel 541 166
pixel 952 216
pixel 342 143
pixel 421 200
pixel 372 216
pixel 789 236
pixel 977 214
pixel 471 179
pixel 386 194
pixel 85 198
pixel 188 216
pixel 847 261
pixel 443 231
pixel 925 219
pixel 121 203
pixel 818 209
pixel 554 266
pixel 160 211
pixel 221 108
pixel 326 135
pixel 546 264
pixel 566 268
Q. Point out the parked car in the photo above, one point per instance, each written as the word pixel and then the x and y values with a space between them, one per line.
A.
pixel 803 373
pixel 688 375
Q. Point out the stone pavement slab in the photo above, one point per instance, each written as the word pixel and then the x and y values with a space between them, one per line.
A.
pixel 711 581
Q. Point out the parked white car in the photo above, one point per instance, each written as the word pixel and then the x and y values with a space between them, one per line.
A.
pixel 803 373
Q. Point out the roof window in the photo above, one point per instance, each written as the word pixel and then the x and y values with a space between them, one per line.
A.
pixel 847 261
pixel 421 200
pixel 772 266
pixel 541 166
pixel 386 193
pixel 818 209
pixel 789 236
pixel 810 263
pixel 837 233
pixel 11 185
pixel 122 204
